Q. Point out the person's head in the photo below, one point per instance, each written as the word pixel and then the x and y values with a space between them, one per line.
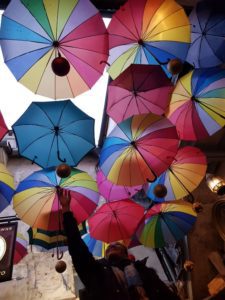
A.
pixel 116 251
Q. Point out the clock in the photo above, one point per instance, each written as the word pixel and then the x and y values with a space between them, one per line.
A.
pixel 2 247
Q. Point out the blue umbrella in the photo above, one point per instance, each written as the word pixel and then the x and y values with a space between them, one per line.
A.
pixel 208 34
pixel 49 133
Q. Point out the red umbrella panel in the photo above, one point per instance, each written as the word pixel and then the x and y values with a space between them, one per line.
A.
pixel 115 221
pixel 3 127
pixel 20 248
pixel 138 90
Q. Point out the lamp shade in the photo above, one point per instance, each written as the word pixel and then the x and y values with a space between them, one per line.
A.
pixel 216 184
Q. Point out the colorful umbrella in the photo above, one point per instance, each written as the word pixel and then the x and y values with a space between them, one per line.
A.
pixel 207 34
pixel 139 89
pixel 3 127
pixel 96 247
pixel 6 187
pixel 53 132
pixel 36 199
pixel 20 248
pixel 115 221
pixel 197 106
pixel 147 32
pixel 47 239
pixel 166 223
pixel 183 176
pixel 138 150
pixel 39 36
pixel 113 192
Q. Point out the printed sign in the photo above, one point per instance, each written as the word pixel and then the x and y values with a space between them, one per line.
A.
pixel 7 247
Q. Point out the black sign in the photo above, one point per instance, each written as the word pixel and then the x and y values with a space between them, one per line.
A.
pixel 7 247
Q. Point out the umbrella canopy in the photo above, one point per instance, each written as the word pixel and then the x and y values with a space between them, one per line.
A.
pixel 96 247
pixel 6 187
pixel 183 175
pixel 166 223
pixel 147 32
pixel 115 221
pixel 138 90
pixel 50 133
pixel 36 199
pixel 138 150
pixel 113 192
pixel 3 127
pixel 47 239
pixel 20 248
pixel 207 34
pixel 197 106
pixel 39 35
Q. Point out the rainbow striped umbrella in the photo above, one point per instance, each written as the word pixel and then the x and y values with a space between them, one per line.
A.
pixel 6 187
pixel 39 36
pixel 36 198
pixel 197 106
pixel 96 247
pixel 183 175
pixel 166 223
pixel 147 32
pixel 138 150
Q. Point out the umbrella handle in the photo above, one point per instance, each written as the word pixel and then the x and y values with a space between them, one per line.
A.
pixel 154 179
pixel 105 62
pixel 59 256
pixel 59 158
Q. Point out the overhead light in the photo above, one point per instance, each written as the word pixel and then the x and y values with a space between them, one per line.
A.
pixel 216 184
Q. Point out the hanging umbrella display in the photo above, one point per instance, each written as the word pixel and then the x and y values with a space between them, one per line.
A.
pixel 113 192
pixel 36 198
pixel 138 150
pixel 207 34
pixel 147 32
pixel 49 133
pixel 166 223
pixel 54 48
pixel 6 187
pixel 115 221
pixel 183 175
pixel 197 106
pixel 139 89
pixel 20 248
pixel 3 127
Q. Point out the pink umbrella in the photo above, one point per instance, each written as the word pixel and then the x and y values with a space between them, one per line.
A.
pixel 115 221
pixel 3 127
pixel 114 192
pixel 138 90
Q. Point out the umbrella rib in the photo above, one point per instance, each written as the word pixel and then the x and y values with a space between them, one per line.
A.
pixel 11 59
pixel 186 177
pixel 50 39
pixel 144 37
pixel 65 46
pixel 118 101
pixel 163 31
pixel 73 122
pixel 34 141
pixel 129 102
pixel 128 29
pixel 209 44
pixel 208 106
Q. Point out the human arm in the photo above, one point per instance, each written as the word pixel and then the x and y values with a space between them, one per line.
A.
pixel 83 261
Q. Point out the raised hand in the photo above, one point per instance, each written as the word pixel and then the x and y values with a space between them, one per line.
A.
pixel 64 199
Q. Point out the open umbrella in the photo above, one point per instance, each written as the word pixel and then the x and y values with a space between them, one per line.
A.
pixel 20 248
pixel 113 192
pixel 36 198
pixel 138 150
pixel 166 223
pixel 3 127
pixel 68 37
pixel 183 175
pixel 115 221
pixel 207 34
pixel 147 32
pixel 197 106
pixel 139 89
pixel 6 187
pixel 49 133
